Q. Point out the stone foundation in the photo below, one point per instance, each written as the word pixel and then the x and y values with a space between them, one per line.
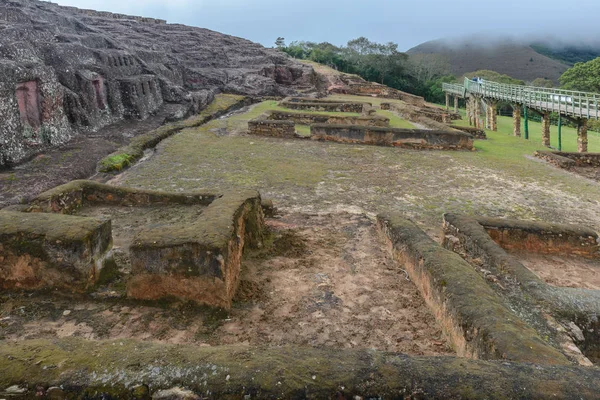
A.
pixel 476 133
pixel 568 160
pixel 309 119
pixel 472 315
pixel 49 251
pixel 274 128
pixel 411 138
pixel 323 106
pixel 199 261
pixel 566 316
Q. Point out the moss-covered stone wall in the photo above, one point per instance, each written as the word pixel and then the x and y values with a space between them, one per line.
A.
pixel 275 128
pixel 411 138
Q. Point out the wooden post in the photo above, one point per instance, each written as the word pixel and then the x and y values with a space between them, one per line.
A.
pixel 546 129
pixel 516 120
pixel 582 139
pixel 455 104
pixel 447 101
pixel 494 116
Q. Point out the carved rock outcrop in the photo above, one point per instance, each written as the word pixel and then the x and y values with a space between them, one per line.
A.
pixel 65 71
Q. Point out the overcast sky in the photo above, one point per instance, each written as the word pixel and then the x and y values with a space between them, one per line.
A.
pixel 407 23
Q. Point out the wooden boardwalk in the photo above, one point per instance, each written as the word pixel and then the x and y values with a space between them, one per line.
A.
pixel 565 102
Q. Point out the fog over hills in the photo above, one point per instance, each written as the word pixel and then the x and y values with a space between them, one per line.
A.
pixel 526 59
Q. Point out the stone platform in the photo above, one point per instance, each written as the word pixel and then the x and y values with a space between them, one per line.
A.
pixel 197 257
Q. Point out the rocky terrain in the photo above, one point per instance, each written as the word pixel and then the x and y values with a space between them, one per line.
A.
pixel 66 71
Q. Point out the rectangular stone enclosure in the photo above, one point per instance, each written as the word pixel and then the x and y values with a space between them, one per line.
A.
pixel 312 118
pixel 196 258
pixel 568 316
pixel 411 138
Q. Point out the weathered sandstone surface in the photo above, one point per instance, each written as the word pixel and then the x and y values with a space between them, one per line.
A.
pixel 66 71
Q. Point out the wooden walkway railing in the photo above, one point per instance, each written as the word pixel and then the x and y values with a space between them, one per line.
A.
pixel 565 102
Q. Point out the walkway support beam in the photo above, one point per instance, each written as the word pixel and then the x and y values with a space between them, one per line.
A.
pixel 478 123
pixel 455 104
pixel 526 122
pixel 447 101
pixel 582 138
pixel 516 120
pixel 546 129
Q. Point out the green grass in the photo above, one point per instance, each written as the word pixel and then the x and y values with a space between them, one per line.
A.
pixel 303 130
pixel 116 162
pixel 500 179
pixel 505 134
pixel 395 120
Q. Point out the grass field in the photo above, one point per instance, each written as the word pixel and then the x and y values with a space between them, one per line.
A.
pixel 500 179
pixel 505 133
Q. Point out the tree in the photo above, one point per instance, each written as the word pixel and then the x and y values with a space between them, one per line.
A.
pixel 543 83
pixel 582 76
pixel 427 67
pixel 280 43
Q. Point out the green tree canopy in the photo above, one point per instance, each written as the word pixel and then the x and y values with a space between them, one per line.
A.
pixel 583 76
pixel 543 83
pixel 280 42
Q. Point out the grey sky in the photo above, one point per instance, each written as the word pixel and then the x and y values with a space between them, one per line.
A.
pixel 407 23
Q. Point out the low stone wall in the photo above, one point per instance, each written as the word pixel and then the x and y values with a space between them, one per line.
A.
pixel 199 261
pixel 274 128
pixel 567 160
pixel 429 117
pixel 319 101
pixel 567 316
pixel 475 132
pixel 377 90
pixel 324 106
pixel 309 119
pixel 129 369
pixel 412 138
pixel 39 251
pixel 472 315
pixel 540 237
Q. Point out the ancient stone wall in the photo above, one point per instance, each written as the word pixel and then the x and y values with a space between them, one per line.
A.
pixel 541 237
pixel 412 138
pixel 323 106
pixel 309 118
pixel 199 261
pixel 475 132
pixel 265 127
pixel 567 317
pixel 567 160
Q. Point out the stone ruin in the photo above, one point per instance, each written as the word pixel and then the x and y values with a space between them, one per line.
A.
pixel 66 71
pixel 64 240
pixel 366 128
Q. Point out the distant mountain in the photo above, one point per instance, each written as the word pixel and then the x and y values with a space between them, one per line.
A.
pixel 541 59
